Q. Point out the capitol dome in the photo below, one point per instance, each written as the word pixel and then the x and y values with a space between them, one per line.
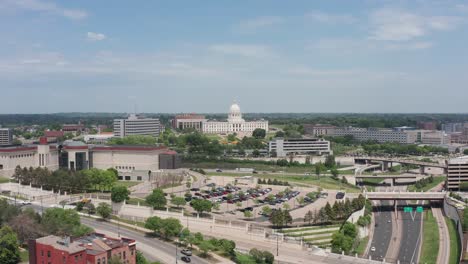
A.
pixel 235 113
pixel 234 108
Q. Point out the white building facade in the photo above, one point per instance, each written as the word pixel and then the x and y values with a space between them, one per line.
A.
pixel 6 136
pixel 137 126
pixel 234 124
pixel 299 146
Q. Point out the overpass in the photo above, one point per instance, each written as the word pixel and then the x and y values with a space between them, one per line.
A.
pixel 386 161
pixel 393 177
pixel 394 196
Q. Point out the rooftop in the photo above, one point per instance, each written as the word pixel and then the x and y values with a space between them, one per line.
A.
pixel 61 244
pixel 459 160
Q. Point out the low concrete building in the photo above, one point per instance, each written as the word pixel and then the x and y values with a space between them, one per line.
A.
pixel 299 146
pixel 189 121
pixel 319 130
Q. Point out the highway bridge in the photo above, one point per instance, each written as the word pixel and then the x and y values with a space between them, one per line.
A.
pixel 388 161
pixel 428 196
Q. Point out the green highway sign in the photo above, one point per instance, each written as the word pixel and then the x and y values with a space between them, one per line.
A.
pixel 407 209
pixel 419 209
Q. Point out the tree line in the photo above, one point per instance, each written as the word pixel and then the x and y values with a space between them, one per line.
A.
pixel 340 210
pixel 67 180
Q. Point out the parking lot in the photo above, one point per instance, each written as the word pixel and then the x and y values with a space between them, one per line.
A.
pixel 234 200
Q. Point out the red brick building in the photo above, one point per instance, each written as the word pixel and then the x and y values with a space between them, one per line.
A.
pixel 91 249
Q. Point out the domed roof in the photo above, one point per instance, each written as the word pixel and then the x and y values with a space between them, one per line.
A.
pixel 234 108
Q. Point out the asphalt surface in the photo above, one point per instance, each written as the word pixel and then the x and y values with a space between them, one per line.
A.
pixel 147 242
pixel 411 236
pixel 382 231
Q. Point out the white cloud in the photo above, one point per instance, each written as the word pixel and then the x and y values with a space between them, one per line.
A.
pixel 399 25
pixel 44 6
pixel 326 18
pixel 256 51
pixel 409 45
pixel 251 25
pixel 93 36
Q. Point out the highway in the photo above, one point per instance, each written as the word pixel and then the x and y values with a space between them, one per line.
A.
pixel 382 231
pixel 411 236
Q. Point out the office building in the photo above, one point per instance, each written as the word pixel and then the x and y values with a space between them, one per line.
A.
pixel 457 173
pixel 189 121
pixel 135 125
pixel 319 130
pixel 298 146
pixel 234 124
pixel 6 136
pixel 375 134
pixel 452 127
pixel 94 248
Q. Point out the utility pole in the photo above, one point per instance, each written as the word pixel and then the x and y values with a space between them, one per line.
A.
pixel 277 245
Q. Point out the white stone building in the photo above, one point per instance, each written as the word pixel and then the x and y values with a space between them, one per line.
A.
pixel 135 125
pixel 234 124
pixel 299 146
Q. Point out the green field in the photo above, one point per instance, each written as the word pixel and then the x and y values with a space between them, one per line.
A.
pixel 128 184
pixel 4 180
pixel 430 242
pixel 325 182
pixel 316 235
pixel 437 181
pixel 254 165
pixel 455 247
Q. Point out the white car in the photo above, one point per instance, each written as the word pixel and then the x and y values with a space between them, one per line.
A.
pixel 372 249
pixel 25 202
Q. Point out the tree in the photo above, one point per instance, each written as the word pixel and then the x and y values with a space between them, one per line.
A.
pixel 140 259
pixel 178 201
pixel 104 210
pixel 202 206
pixel 248 214
pixel 91 208
pixel 58 221
pixel 115 260
pixel 154 223
pixel 286 206
pixel 156 199
pixel 329 211
pixel 9 248
pixel 26 226
pixel 170 227
pixel 280 218
pixel 259 133
pixel 119 194
pixel 204 247
pixel 330 162
pixel 308 217
pixel 334 173
pixel 266 210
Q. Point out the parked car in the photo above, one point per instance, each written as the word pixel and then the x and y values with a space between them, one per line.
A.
pixel 195 189
pixel 219 170
pixel 186 252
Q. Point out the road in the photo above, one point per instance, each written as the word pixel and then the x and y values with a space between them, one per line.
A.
pixel 153 249
pixel 444 237
pixel 411 236
pixel 382 231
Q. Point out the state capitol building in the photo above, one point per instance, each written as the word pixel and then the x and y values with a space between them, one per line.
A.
pixel 234 124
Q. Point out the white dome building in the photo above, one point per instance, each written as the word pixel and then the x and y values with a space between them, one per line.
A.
pixel 235 124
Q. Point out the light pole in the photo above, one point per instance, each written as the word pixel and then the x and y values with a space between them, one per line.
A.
pixel 277 245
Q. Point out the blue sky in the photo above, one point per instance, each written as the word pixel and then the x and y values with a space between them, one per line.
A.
pixel 199 56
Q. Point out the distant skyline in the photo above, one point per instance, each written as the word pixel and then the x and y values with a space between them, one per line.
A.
pixel 179 56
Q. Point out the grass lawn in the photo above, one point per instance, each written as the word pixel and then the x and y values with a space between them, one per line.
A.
pixel 430 242
pixel 128 184
pixel 4 180
pixel 134 201
pixel 429 186
pixel 362 246
pixel 254 165
pixel 24 254
pixel 455 248
pixel 325 182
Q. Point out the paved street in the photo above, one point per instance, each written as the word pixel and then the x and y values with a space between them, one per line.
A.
pixel 382 231
pixel 444 237
pixel 411 236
